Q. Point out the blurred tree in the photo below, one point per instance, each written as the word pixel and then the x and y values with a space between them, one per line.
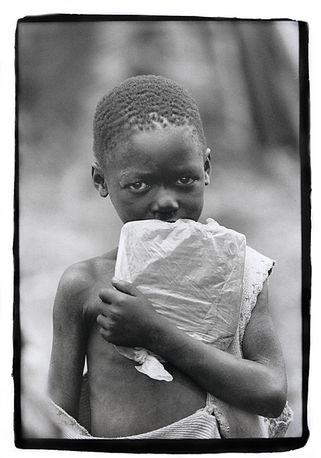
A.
pixel 272 86
pixel 54 65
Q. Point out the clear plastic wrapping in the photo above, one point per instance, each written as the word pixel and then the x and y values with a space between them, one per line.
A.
pixel 191 272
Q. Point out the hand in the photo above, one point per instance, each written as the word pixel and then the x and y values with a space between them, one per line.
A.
pixel 126 316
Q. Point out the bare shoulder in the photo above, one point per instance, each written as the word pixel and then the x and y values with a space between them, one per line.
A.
pixel 78 279
pixel 261 342
pixel 260 316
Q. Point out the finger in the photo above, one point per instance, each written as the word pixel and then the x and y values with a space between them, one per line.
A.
pixel 103 321
pixel 125 287
pixel 105 334
pixel 103 307
pixel 109 295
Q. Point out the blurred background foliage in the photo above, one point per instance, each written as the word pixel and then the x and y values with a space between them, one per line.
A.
pixel 244 76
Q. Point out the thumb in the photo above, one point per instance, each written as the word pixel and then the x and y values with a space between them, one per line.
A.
pixel 125 287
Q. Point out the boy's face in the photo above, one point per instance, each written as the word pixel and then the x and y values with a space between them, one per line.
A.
pixel 157 174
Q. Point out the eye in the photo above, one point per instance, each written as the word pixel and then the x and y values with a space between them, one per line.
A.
pixel 138 186
pixel 185 181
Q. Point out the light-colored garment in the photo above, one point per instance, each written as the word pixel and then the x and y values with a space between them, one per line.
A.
pixel 200 293
pixel 217 419
pixel 201 424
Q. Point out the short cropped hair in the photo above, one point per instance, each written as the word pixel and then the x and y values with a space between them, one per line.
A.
pixel 140 103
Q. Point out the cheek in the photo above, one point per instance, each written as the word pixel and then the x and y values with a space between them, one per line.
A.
pixel 195 194
pixel 193 202
pixel 128 206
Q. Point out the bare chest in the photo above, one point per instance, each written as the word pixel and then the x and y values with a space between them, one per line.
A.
pixel 122 400
pixel 125 402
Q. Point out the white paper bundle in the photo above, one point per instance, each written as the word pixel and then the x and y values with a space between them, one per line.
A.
pixel 191 272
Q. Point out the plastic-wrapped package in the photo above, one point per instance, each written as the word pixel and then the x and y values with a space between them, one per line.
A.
pixel 191 272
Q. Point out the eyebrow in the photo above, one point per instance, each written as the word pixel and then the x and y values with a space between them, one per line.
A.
pixel 133 173
pixel 188 169
pixel 179 170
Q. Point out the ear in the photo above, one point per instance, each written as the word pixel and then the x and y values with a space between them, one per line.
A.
pixel 99 180
pixel 207 166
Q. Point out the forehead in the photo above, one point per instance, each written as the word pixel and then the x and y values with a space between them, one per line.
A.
pixel 162 145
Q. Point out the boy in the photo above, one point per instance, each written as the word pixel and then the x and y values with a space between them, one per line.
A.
pixel 153 162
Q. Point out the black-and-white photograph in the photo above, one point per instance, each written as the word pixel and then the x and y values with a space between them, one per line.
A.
pixel 159 246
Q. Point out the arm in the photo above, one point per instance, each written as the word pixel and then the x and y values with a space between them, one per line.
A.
pixel 69 342
pixel 256 383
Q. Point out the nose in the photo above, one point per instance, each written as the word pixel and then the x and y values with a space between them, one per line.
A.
pixel 165 204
